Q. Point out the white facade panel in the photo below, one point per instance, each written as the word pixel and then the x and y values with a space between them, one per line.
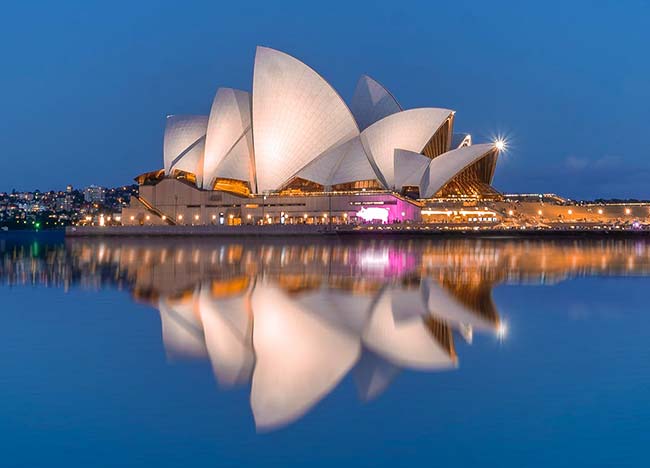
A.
pixel 297 116
pixel 230 118
pixel 409 130
pixel 372 102
pixel 443 168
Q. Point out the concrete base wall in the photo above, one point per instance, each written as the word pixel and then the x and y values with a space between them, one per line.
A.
pixel 187 205
pixel 166 230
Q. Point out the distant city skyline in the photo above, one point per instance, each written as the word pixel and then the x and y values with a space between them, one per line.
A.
pixel 90 87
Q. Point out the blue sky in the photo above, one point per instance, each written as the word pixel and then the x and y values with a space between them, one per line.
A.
pixel 86 86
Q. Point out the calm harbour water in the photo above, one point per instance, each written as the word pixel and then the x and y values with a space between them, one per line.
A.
pixel 212 352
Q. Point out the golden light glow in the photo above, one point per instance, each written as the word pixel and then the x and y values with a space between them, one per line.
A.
pixel 600 211
pixel 196 217
pixel 539 212
pixel 627 211
pixel 570 212
pixel 510 212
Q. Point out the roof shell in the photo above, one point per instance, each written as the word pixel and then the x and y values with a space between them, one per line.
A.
pixel 409 168
pixel 184 137
pixel 297 115
pixel 409 130
pixel 443 168
pixel 372 102
pixel 238 163
pixel 230 119
pixel 342 164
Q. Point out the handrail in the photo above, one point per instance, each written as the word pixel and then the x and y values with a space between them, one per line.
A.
pixel 155 210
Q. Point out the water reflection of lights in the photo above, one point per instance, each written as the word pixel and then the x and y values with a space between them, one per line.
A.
pixel 374 260
pixel 291 319
pixel 502 331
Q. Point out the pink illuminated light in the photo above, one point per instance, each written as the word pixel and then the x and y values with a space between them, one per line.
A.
pixel 373 213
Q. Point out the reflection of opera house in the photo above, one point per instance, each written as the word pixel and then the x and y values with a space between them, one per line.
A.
pixel 276 318
pixel 293 318
pixel 295 347
pixel 292 151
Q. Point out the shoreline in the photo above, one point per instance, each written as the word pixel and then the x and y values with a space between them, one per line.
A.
pixel 344 231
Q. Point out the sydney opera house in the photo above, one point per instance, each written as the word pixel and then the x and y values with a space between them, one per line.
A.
pixel 292 152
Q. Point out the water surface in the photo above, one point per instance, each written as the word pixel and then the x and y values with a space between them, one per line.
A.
pixel 212 352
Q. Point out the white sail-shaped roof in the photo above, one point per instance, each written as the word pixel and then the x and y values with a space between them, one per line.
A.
pixel 443 168
pixel 184 139
pixel 300 358
pixel 320 169
pixel 192 161
pixel 228 329
pixel 230 119
pixel 297 116
pixel 181 331
pixel 238 163
pixel 409 168
pixel 405 343
pixel 356 165
pixel 409 130
pixel 372 102
pixel 344 163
